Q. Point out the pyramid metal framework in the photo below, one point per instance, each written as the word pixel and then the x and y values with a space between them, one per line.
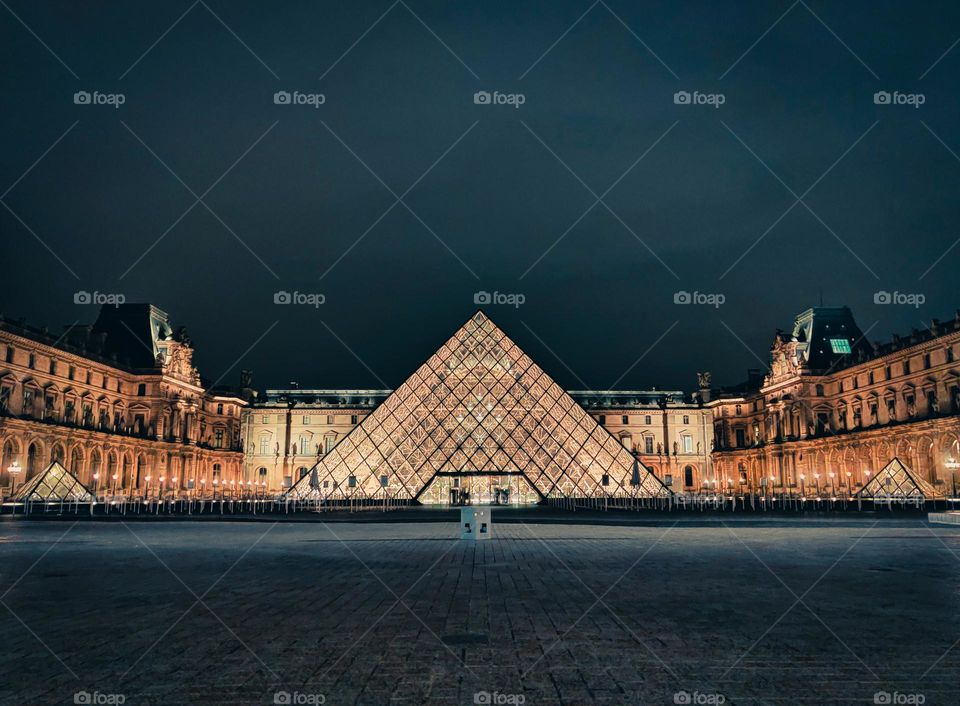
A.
pixel 478 405
pixel 897 481
pixel 55 483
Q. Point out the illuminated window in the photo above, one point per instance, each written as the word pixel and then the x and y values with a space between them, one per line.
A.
pixel 840 345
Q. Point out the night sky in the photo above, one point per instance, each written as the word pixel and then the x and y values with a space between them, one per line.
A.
pixel 486 190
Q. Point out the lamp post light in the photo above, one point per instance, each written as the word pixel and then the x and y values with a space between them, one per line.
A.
pixel 148 486
pixel 96 483
pixel 816 477
pixel 174 482
pixel 216 484
pixel 203 487
pixel 802 491
pixel 14 470
pixel 849 487
pixel 114 477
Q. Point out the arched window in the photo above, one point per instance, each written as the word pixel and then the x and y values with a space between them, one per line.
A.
pixel 33 460
pixel 688 476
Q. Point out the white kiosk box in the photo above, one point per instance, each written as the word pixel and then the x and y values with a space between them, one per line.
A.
pixel 475 522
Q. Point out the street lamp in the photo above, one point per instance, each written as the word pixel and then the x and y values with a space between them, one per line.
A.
pixel 174 481
pixel 14 470
pixel 802 491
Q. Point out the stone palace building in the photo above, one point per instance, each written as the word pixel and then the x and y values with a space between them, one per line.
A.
pixel 121 405
pixel 834 408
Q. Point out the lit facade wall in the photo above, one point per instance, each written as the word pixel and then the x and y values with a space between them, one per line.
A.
pixel 288 431
pixel 832 428
pixel 59 401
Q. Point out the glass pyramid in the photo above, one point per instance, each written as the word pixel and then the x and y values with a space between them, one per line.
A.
pixel 478 405
pixel 896 480
pixel 55 483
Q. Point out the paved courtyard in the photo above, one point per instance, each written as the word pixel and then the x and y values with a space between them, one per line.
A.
pixel 404 613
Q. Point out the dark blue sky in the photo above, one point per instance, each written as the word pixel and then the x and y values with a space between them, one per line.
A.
pixel 502 184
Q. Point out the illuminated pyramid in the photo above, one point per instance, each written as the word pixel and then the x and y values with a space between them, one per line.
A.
pixel 897 481
pixel 478 405
pixel 55 483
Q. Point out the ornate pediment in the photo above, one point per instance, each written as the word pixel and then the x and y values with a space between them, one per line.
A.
pixel 176 361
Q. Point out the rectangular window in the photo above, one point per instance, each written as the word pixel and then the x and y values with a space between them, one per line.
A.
pixel 840 345
pixel 9 354
pixel 265 419
pixel 219 407
pixel 352 481
pixel 53 367
pixel 329 419
pixel 265 446
pixel 648 444
pixel 31 361
pixel 648 419
pixel 71 371
pixel 741 438
pixel 926 360
pixel 686 419
pixel 688 444
pixel 306 420
pixel 384 481
pixel 906 367
pixel 141 390
pixel 354 419
pixel 605 479
pixel 625 419
pixel 304 445
pixel 218 438
pixel 329 443
pixel 602 420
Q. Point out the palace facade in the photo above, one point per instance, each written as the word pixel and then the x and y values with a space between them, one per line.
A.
pixel 287 431
pixel 834 409
pixel 119 403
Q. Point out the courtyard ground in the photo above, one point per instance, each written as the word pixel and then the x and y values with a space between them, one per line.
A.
pixel 720 611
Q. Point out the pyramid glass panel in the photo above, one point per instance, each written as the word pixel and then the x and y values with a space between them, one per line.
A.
pixel 55 483
pixel 895 480
pixel 479 405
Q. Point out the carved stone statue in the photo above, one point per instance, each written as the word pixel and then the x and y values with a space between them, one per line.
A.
pixel 911 407
pixel 246 378
pixel 676 448
pixel 704 380
pixel 659 449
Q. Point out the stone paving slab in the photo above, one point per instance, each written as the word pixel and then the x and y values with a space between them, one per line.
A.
pixel 404 613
